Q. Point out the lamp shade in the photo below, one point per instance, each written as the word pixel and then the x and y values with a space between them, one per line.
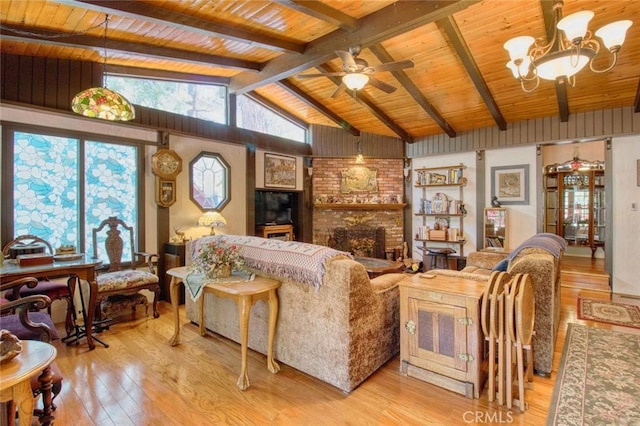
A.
pixel 212 220
pixel 575 25
pixel 518 47
pixel 613 34
pixel 100 102
pixel 563 64
pixel 355 80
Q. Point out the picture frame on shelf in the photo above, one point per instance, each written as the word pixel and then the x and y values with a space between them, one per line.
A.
pixel 279 171
pixel 510 184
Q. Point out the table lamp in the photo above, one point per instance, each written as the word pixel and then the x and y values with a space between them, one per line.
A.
pixel 212 220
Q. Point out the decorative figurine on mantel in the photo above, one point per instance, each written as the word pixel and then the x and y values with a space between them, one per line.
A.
pixel 495 202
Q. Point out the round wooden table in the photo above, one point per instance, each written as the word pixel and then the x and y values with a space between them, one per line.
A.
pixel 15 377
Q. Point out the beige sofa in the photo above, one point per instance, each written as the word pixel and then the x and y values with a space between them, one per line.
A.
pixel 339 329
pixel 544 268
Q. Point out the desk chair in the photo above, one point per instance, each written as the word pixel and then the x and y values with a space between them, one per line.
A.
pixel 54 290
pixel 22 317
pixel 122 278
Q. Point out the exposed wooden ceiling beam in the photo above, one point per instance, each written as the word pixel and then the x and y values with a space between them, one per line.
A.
pixel 382 25
pixel 413 90
pixel 138 49
pixel 149 12
pixel 561 84
pixel 637 101
pixel 319 106
pixel 366 101
pixel 323 12
pixel 464 53
pixel 275 108
pixel 167 75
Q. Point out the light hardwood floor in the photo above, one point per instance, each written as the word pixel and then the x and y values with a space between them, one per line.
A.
pixel 141 380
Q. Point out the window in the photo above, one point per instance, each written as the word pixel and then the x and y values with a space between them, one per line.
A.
pixel 204 101
pixel 63 187
pixel 256 117
pixel 209 181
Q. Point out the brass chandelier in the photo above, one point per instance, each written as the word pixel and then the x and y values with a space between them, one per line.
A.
pixel 570 50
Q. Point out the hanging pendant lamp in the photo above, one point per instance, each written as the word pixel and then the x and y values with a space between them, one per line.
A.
pixel 100 102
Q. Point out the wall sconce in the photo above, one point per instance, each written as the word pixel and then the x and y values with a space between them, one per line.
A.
pixel 406 171
pixel 359 157
pixel 310 170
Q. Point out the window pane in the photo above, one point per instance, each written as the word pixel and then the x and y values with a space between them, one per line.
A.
pixel 110 190
pixel 256 117
pixel 45 196
pixel 204 101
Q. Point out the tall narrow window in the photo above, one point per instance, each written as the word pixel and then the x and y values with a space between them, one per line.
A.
pixel 65 187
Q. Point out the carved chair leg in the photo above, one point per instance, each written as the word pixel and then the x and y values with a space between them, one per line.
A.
pixel 46 387
pixel 156 296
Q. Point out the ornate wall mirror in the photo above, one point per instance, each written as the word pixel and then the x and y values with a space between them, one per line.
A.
pixel 209 181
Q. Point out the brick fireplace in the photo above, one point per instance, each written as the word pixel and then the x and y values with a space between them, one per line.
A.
pixel 349 195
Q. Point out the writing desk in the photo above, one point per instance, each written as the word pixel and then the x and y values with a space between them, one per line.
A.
pixel 82 268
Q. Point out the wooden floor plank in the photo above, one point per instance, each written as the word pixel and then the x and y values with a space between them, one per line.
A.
pixel 141 380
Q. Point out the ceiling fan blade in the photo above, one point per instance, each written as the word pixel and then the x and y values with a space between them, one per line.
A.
pixel 348 62
pixel 387 88
pixel 392 66
pixel 328 74
pixel 341 88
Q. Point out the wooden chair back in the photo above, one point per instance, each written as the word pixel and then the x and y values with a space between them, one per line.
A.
pixel 114 244
pixel 25 240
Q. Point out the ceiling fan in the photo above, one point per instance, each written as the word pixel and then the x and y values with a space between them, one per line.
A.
pixel 356 72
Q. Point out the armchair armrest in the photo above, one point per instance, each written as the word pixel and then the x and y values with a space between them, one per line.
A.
pixel 150 259
pixel 22 307
pixel 16 285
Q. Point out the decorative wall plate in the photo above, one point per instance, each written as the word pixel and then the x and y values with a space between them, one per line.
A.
pixel 439 203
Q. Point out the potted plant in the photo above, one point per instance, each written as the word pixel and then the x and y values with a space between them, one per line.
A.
pixel 362 247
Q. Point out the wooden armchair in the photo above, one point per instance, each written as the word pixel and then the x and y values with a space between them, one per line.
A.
pixel 22 317
pixel 118 281
pixel 55 290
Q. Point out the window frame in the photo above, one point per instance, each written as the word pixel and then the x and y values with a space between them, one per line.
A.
pixel 8 140
pixel 285 115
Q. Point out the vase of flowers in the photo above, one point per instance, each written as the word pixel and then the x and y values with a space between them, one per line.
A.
pixel 217 259
pixel 362 247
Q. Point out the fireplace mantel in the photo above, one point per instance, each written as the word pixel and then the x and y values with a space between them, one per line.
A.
pixel 359 206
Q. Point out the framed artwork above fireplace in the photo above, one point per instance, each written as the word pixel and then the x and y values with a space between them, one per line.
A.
pixel 358 179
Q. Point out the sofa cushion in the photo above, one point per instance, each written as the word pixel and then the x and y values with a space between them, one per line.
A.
pixel 386 282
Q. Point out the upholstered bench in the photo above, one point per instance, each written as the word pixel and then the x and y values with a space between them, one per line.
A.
pixel 120 302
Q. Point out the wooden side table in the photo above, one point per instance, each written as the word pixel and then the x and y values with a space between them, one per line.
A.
pixel 15 378
pixel 246 294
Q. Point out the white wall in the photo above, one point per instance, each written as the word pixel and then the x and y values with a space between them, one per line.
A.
pixel 626 220
pixel 522 219
pixel 469 197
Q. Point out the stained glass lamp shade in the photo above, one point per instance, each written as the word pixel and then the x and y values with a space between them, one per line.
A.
pixel 100 102
pixel 212 220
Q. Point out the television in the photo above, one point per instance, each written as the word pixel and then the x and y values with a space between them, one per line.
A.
pixel 274 207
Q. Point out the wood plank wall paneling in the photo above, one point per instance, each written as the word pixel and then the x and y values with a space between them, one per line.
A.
pixel 588 125
pixel 330 141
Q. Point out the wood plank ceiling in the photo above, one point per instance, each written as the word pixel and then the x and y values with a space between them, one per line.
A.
pixel 459 81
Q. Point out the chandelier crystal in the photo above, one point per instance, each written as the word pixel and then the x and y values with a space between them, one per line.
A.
pixel 570 50
pixel 100 102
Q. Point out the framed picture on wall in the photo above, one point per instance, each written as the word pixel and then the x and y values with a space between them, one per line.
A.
pixel 510 184
pixel 279 171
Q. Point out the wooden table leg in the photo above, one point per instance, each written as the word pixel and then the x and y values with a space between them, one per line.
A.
pixel 175 302
pixel 93 300
pixel 272 365
pixel 244 308
pixel 23 399
pixel 202 329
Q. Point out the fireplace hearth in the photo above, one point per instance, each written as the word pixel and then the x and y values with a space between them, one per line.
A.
pixel 343 239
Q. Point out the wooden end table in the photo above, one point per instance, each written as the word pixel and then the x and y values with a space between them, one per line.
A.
pixel 15 379
pixel 246 294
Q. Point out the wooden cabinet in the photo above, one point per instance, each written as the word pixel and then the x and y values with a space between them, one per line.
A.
pixel 281 232
pixel 173 256
pixel 441 208
pixel 495 228
pixel 575 207
pixel 441 341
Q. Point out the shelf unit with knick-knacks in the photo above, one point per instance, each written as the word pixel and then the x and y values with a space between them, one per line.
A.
pixel 441 209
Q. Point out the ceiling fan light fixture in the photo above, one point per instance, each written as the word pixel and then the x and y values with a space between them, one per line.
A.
pixel 355 81
pixel 569 50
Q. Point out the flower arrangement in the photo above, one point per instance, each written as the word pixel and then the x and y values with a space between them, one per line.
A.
pixel 217 258
pixel 363 245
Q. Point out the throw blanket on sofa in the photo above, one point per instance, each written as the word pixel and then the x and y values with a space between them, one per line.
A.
pixel 300 262
pixel 552 243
